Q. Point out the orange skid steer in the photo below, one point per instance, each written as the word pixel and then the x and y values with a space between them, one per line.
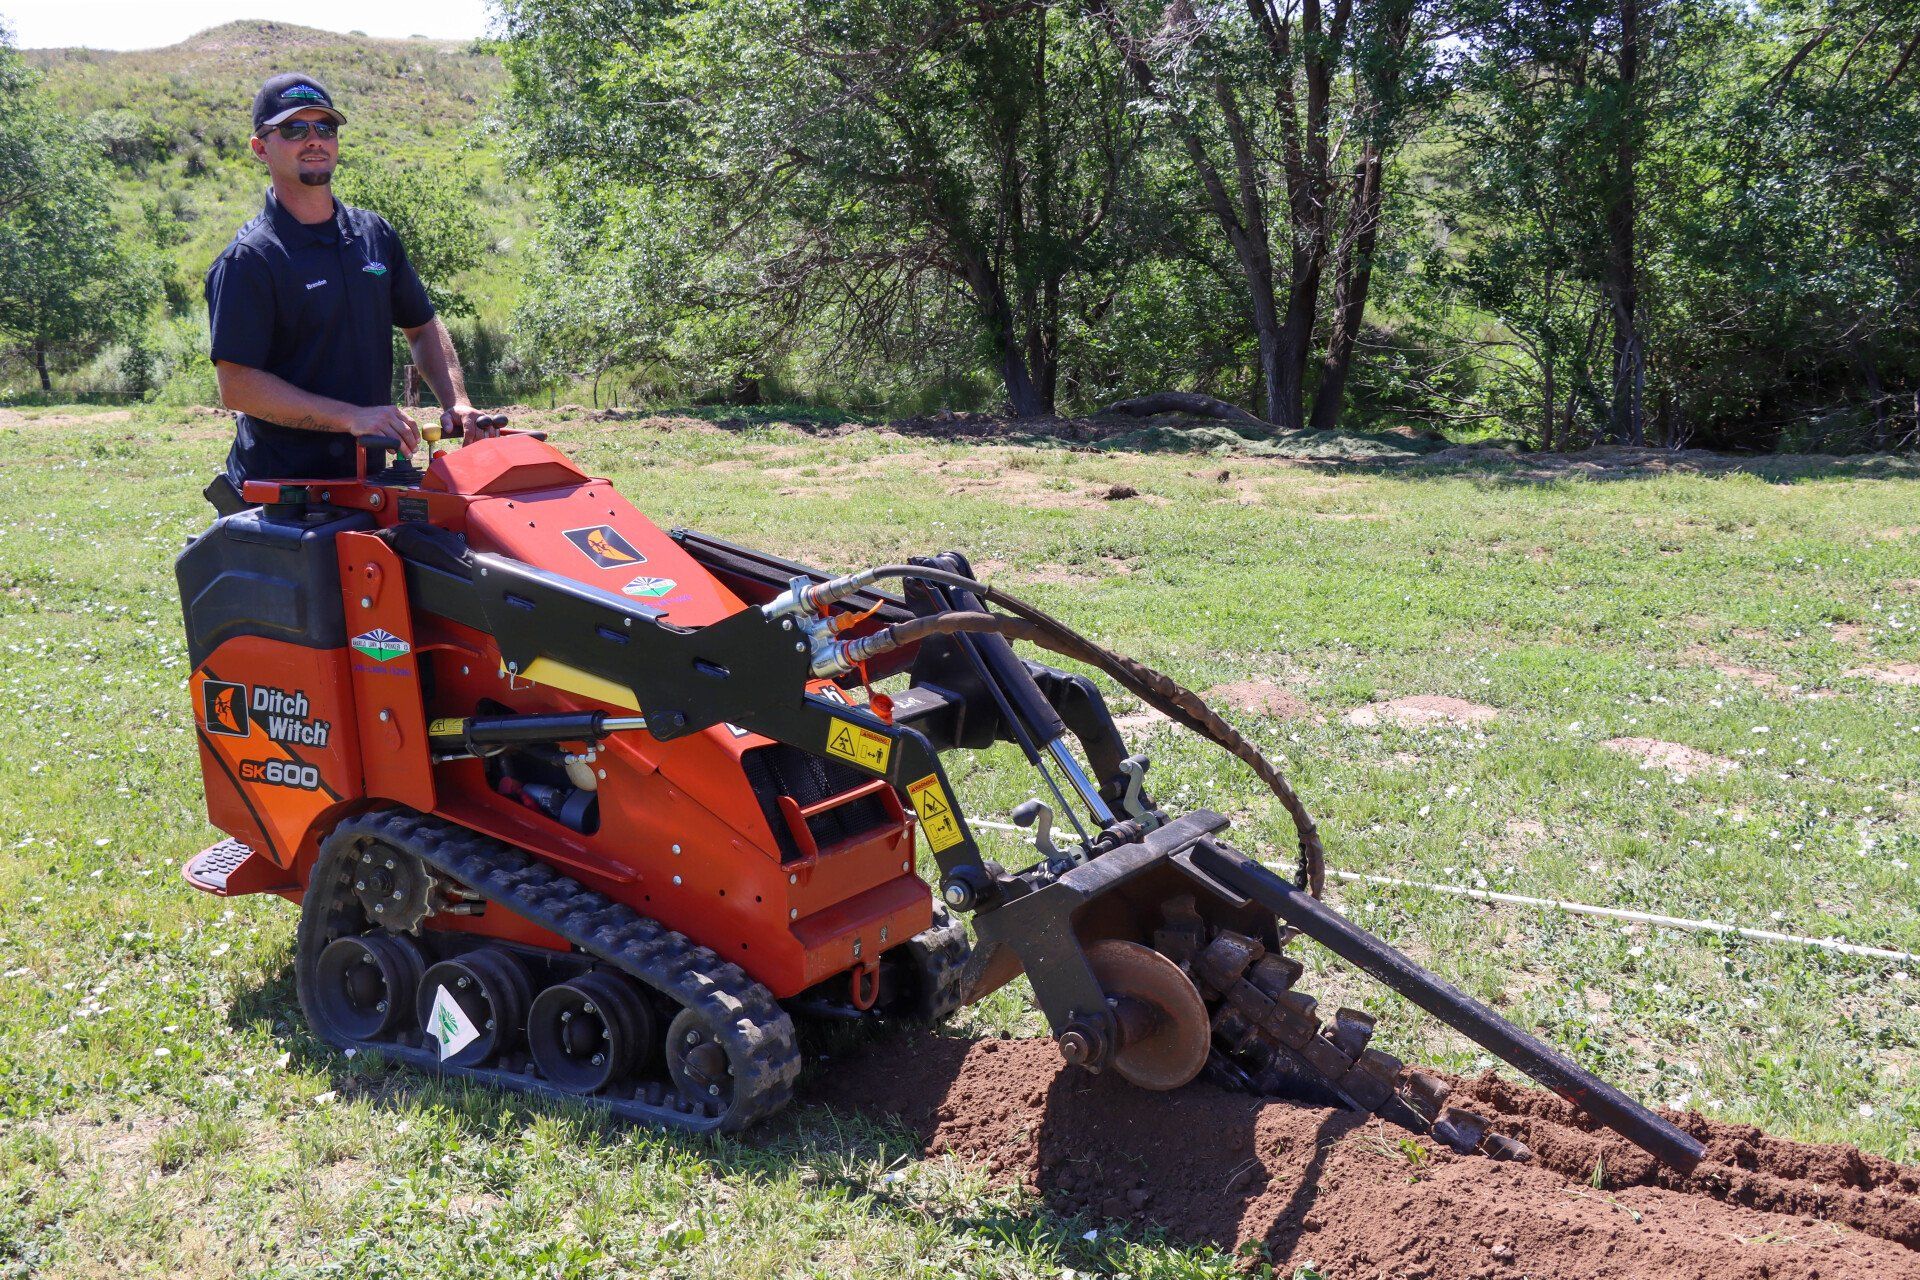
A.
pixel 575 805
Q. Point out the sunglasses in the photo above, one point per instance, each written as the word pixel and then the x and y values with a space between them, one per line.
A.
pixel 297 130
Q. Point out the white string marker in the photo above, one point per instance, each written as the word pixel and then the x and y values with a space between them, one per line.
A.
pixel 1681 923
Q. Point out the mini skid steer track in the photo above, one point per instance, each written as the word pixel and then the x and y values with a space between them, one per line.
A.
pixel 578 806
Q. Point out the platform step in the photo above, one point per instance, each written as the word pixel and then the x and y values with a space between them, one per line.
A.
pixel 214 869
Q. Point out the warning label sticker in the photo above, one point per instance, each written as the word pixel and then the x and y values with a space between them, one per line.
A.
pixel 937 817
pixel 446 727
pixel 863 747
pixel 448 1023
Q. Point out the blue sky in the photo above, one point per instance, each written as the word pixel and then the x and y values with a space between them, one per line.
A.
pixel 147 24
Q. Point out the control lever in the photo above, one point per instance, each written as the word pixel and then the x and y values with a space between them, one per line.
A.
pixel 1134 802
pixel 1038 814
pixel 494 421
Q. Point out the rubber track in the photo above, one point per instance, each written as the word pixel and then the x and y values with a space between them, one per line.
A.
pixel 940 953
pixel 755 1031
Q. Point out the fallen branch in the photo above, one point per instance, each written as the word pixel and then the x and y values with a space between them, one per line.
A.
pixel 1188 402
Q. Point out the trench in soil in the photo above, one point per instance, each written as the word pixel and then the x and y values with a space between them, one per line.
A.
pixel 1348 1193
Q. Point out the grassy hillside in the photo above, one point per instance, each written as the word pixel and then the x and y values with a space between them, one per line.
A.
pixel 176 121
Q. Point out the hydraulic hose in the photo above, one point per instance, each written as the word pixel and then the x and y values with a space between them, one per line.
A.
pixel 1156 689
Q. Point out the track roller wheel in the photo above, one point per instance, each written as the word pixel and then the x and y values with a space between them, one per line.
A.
pixel 698 1064
pixel 475 1005
pixel 590 1032
pixel 367 983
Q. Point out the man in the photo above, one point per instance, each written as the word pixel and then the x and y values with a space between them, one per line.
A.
pixel 301 304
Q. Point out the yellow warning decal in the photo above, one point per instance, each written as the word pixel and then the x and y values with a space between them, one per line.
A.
pixel 937 817
pixel 863 747
pixel 445 728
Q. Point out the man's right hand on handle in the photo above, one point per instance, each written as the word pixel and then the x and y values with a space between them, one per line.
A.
pixel 385 421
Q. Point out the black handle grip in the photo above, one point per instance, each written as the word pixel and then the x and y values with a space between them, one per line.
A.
pixel 458 430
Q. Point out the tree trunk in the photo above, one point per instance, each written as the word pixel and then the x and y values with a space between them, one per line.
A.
pixel 1546 392
pixel 1876 396
pixel 1627 424
pixel 40 363
pixel 1023 396
pixel 1289 396
pixel 1271 385
pixel 1352 275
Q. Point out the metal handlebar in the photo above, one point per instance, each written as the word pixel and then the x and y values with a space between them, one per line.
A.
pixel 429 436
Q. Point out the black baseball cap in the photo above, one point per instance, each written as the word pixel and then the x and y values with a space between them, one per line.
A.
pixel 286 94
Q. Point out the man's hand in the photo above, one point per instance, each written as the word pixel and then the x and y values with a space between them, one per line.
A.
pixel 386 420
pixel 462 418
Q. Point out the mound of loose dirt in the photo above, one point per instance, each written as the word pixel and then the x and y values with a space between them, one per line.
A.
pixel 1676 758
pixel 1422 709
pixel 1259 698
pixel 1309 1184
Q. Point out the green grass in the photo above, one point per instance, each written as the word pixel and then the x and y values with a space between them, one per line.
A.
pixel 163 1111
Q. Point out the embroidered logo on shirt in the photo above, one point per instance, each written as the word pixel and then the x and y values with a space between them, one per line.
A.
pixel 375 268
pixel 315 284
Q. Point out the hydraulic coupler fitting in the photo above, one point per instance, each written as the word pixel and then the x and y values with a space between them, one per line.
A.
pixel 806 598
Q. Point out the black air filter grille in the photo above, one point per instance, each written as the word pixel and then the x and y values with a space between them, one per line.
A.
pixel 783 770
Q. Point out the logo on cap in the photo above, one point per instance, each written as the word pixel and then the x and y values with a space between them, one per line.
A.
pixel 303 91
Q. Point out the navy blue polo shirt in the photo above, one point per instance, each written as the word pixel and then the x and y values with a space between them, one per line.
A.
pixel 315 305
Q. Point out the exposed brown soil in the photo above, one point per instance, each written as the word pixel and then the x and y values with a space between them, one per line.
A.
pixel 1892 673
pixel 1421 709
pixel 1141 721
pixel 1309 1184
pixel 1676 758
pixel 1754 676
pixel 1259 698
pixel 11 419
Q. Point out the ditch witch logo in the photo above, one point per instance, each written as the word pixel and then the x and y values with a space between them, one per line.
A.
pixel 283 716
pixel 603 545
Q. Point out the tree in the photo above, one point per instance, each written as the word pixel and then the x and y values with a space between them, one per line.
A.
pixel 27 131
pixel 1694 218
pixel 1796 268
pixel 67 285
pixel 1288 114
pixel 845 168
pixel 436 223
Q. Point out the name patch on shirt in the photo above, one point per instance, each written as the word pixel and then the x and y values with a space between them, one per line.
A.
pixel 315 284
